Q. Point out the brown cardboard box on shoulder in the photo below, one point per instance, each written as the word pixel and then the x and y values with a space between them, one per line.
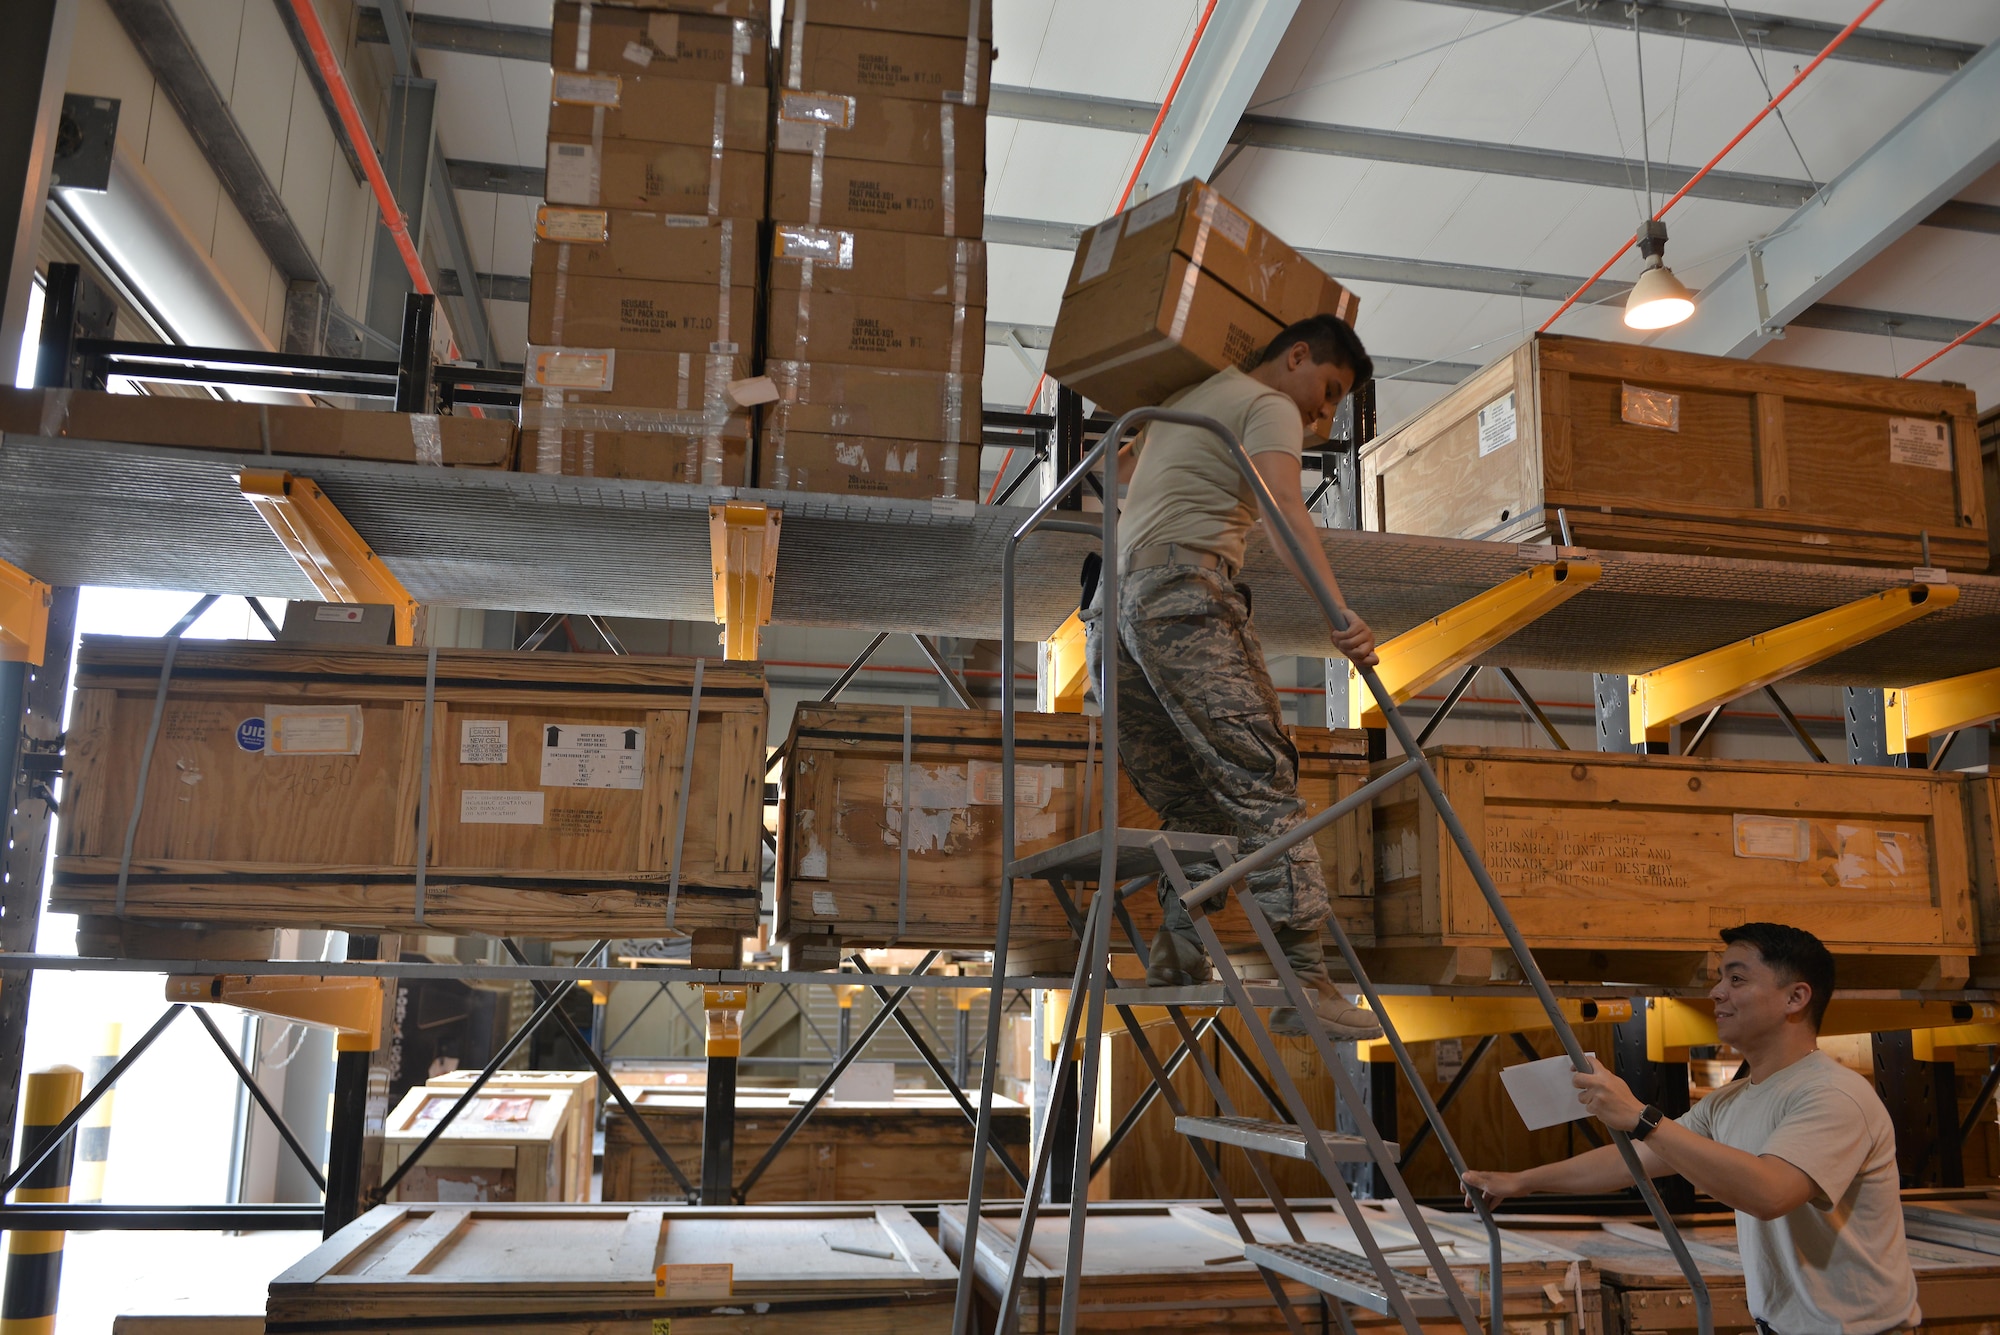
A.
pixel 623 39
pixel 663 178
pixel 659 110
pixel 880 196
pixel 652 247
pixel 817 57
pixel 881 129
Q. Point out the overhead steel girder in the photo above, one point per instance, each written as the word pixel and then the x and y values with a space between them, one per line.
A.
pixel 338 560
pixel 1674 1024
pixel 1426 1019
pixel 1938 149
pixel 1228 64
pixel 1912 713
pixel 1452 639
pixel 24 616
pixel 1665 696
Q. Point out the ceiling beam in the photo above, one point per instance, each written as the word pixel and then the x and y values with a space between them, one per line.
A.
pixel 1948 142
pixel 1712 23
pixel 1080 109
pixel 470 37
pixel 495 178
pixel 1228 63
pixel 492 286
pixel 1893 324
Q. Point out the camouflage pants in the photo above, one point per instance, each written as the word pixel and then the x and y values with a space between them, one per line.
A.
pixel 1202 736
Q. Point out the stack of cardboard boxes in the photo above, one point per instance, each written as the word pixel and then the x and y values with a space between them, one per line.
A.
pixel 642 309
pixel 875 331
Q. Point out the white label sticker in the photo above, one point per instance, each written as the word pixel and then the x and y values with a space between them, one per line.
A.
pixel 1157 209
pixel 824 905
pixel 1103 245
pixel 585 226
pixel 932 787
pixel 1649 407
pixel 828 109
pixel 694 1282
pixel 830 246
pixel 1230 225
pixel 1779 838
pixel 323 731
pixel 482 742
pixel 1450 1054
pixel 1496 424
pixel 572 174
pixel 571 368
pixel 589 755
pixel 590 90
pixel 332 612
pixel 1033 784
pixel 491 808
pixel 638 53
pixel 1920 443
pixel 799 137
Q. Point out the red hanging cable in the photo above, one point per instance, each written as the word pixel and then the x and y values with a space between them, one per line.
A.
pixel 1152 136
pixel 1756 120
pixel 1987 323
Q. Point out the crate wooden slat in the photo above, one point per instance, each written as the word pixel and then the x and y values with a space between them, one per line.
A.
pixel 1983 813
pixel 839 824
pixel 590 1270
pixel 1626 867
pixel 332 842
pixel 1158 1266
pixel 1765 461
pixel 915 1148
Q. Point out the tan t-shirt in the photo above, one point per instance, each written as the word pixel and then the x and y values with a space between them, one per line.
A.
pixel 1186 488
pixel 1837 1265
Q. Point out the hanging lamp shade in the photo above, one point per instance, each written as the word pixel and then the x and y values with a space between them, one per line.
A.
pixel 1658 300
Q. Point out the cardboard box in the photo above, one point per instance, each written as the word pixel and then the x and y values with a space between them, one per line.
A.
pixel 630 380
pixel 651 247
pixel 898 264
pixel 624 40
pixel 869 466
pixel 940 18
pixel 1196 222
pixel 853 400
pixel 883 196
pixel 666 178
pixel 861 330
pixel 608 413
pixel 721 459
pixel 664 111
pixel 881 129
pixel 650 317
pixel 210 424
pixel 1126 341
pixel 820 58
pixel 758 10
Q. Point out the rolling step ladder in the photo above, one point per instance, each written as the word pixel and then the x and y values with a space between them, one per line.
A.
pixel 1412 1288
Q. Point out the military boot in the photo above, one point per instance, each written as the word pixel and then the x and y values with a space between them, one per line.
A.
pixel 1177 961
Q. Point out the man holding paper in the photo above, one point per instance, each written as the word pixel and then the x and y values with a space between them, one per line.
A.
pixel 1802 1150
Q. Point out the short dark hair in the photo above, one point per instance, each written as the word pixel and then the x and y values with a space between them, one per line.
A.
pixel 1795 955
pixel 1331 339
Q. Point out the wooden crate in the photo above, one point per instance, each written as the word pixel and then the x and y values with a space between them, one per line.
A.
pixel 326 836
pixel 1158 1266
pixel 839 854
pixel 916 1148
pixel 578 1132
pixel 596 1270
pixel 507 1145
pixel 1625 867
pixel 1982 792
pixel 1762 460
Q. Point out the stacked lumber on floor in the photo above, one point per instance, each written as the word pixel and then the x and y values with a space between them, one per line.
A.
pixel 283 790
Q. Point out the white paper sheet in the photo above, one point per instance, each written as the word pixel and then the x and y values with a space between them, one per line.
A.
pixel 1542 1091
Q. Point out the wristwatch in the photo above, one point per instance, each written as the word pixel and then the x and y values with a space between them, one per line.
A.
pixel 1649 1122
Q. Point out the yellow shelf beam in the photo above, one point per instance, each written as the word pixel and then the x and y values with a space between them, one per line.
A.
pixel 338 560
pixel 24 616
pixel 351 1007
pixel 1426 1019
pixel 1065 676
pixel 743 554
pixel 1935 1045
pixel 1674 1025
pixel 1427 653
pixel 1913 713
pixel 1665 696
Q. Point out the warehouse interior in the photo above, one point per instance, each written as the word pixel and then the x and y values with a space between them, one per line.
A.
pixel 603 372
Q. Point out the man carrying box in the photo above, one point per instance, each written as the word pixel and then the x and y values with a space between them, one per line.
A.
pixel 1199 726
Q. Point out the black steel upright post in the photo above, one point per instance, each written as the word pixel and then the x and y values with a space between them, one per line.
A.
pixel 718 1132
pixel 73 308
pixel 1662 1084
pixel 1867 740
pixel 34 65
pixel 347 1129
pixel 1611 694
pixel 1069 442
pixel 413 369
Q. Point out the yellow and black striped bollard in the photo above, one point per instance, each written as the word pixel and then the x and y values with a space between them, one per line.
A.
pixel 93 1134
pixel 34 1259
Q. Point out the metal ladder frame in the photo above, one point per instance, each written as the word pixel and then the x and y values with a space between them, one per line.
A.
pixel 1093 965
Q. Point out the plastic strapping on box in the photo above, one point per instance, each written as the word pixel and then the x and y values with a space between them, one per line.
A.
pixel 548 430
pixel 795 71
pixel 686 365
pixel 145 767
pixel 583 36
pixel 596 156
pixel 1193 274
pixel 948 190
pixel 424 781
pixel 55 412
pixel 685 797
pixel 903 840
pixel 707 469
pixel 426 440
pixel 739 52
pixel 715 161
pixel 971 94
pixel 803 337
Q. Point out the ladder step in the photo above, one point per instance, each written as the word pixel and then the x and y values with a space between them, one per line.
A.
pixel 1279 1138
pixel 1345 1275
pixel 1082 858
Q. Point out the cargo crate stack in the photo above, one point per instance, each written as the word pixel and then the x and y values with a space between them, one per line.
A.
pixel 875 333
pixel 642 305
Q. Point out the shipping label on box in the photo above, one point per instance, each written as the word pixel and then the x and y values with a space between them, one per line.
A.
pixel 583 755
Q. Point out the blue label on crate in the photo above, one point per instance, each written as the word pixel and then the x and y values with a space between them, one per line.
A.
pixel 250 734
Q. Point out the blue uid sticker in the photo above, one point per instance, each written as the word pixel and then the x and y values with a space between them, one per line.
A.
pixel 250 734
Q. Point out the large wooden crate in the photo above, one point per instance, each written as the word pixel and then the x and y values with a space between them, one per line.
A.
pixel 917 1147
pixel 1159 1266
pixel 1650 450
pixel 574 1138
pixel 283 790
pixel 505 1145
pixel 622 1270
pixel 1982 792
pixel 840 819
pixel 1626 867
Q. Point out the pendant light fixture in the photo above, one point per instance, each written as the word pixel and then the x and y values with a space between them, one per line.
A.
pixel 1658 300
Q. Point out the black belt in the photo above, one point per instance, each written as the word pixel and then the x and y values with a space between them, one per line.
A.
pixel 1175 554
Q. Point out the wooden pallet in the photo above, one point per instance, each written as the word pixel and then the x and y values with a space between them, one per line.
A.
pixel 537 826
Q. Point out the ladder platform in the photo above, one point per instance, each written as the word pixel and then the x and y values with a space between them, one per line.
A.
pixel 1279 1138
pixel 1081 859
pixel 1342 1274
pixel 1206 995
